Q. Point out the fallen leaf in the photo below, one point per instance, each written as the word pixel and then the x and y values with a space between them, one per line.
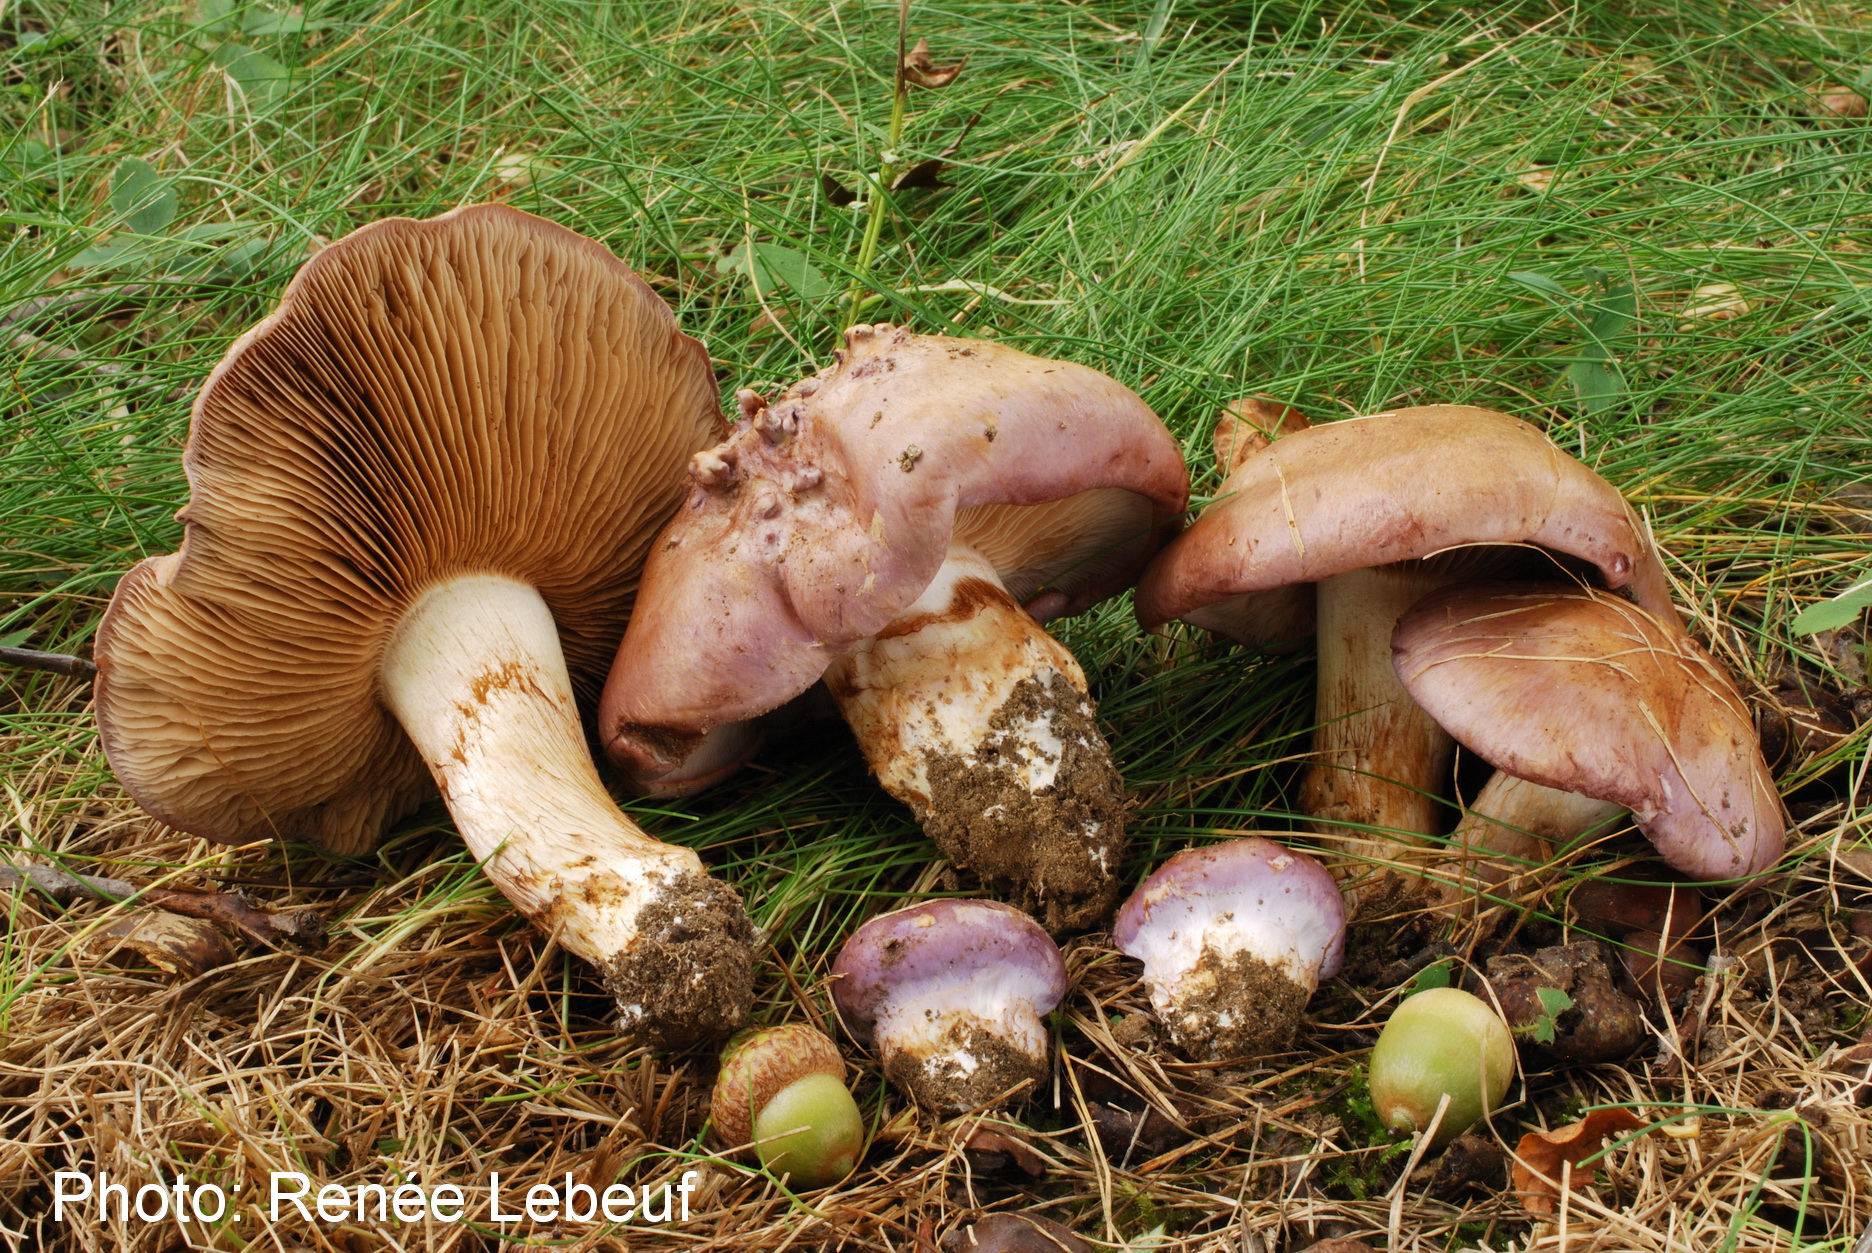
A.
pixel 923 174
pixel 1539 1156
pixel 836 192
pixel 1013 1233
pixel 184 947
pixel 997 1145
pixel 921 69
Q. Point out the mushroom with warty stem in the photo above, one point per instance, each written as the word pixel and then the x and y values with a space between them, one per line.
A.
pixel 421 493
pixel 782 1091
pixel 1582 692
pixel 1366 510
pixel 900 524
pixel 951 994
pixel 1235 939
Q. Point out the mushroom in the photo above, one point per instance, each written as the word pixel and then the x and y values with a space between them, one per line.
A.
pixel 421 492
pixel 951 993
pixel 782 1090
pixel 882 524
pixel 1581 691
pixel 1235 939
pixel 1366 510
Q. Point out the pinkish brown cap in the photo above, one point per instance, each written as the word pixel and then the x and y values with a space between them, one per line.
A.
pixel 1583 691
pixel 830 509
pixel 1397 486
pixel 482 392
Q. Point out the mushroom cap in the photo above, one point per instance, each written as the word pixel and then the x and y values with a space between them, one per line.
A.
pixel 1586 692
pixel 827 513
pixel 1392 487
pixel 482 392
pixel 920 952
pixel 1278 903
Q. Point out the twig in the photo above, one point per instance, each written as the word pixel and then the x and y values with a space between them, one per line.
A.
pixel 57 663
pixel 299 928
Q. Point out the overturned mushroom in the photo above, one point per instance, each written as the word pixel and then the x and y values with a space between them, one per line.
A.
pixel 1235 939
pixel 951 993
pixel 1366 511
pixel 882 524
pixel 1581 691
pixel 421 492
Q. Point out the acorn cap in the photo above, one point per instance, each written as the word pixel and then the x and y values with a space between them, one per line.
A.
pixel 830 510
pixel 1583 691
pixel 1395 486
pixel 756 1065
pixel 482 392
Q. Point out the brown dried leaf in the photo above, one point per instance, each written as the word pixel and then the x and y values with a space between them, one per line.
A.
pixel 1017 1152
pixel 923 174
pixel 185 947
pixel 836 192
pixel 1014 1233
pixel 920 68
pixel 1539 1156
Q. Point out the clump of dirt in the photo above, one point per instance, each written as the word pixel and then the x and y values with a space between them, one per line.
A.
pixel 689 978
pixel 968 1068
pixel 1054 850
pixel 1234 1007
pixel 1602 1024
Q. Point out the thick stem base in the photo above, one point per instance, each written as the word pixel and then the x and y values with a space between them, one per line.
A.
pixel 475 674
pixel 975 717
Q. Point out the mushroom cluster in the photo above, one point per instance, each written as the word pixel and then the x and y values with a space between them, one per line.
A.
pixel 470 462
pixel 1375 526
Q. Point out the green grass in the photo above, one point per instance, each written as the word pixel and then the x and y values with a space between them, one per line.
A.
pixel 1345 205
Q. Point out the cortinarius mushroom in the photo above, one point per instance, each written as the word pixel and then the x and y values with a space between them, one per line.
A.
pixel 951 993
pixel 1364 509
pixel 1235 939
pixel 1584 692
pixel 420 490
pixel 882 524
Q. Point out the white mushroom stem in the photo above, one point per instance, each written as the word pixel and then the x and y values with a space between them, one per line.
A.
pixel 941 1027
pixel 933 679
pixel 1512 828
pixel 1378 759
pixel 475 674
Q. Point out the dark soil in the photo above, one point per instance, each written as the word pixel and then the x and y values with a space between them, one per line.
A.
pixel 936 1082
pixel 1242 1007
pixel 692 967
pixel 1052 852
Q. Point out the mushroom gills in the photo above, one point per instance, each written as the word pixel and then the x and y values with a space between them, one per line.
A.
pixel 971 714
pixel 475 674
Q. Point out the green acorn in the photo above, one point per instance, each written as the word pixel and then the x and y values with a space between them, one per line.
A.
pixel 1442 1040
pixel 783 1090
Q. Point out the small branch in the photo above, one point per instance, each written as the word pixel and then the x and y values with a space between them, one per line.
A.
pixel 57 663
pixel 298 928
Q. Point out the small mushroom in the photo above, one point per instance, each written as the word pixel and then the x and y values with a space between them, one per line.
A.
pixel 420 494
pixel 1584 692
pixel 1441 1042
pixel 1235 939
pixel 952 994
pixel 901 524
pixel 782 1090
pixel 1364 513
